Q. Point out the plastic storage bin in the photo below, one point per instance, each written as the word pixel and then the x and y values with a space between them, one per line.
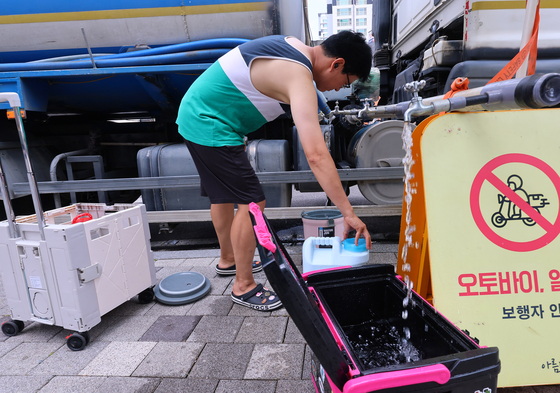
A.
pixel 340 312
pixel 320 253
pixel 80 271
pixel 59 270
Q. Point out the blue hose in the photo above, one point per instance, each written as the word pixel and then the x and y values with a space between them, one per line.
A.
pixel 187 52
pixel 323 107
pixel 217 43
pixel 209 55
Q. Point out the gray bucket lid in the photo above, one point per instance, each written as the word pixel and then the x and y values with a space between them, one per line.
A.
pixel 182 288
pixel 322 214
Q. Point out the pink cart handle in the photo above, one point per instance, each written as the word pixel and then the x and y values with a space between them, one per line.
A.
pixel 436 373
pixel 261 230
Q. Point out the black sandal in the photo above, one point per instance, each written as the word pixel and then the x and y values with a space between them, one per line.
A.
pixel 230 271
pixel 259 298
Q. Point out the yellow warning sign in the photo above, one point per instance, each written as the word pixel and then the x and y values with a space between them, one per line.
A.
pixel 492 198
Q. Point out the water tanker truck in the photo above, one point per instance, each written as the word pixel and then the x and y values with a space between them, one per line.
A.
pixel 100 84
pixel 100 80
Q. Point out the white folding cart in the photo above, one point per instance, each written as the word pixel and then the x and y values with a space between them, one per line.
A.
pixel 69 266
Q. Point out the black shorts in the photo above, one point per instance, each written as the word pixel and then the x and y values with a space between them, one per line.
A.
pixel 226 176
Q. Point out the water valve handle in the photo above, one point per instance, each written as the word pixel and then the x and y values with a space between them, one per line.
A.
pixel 415 87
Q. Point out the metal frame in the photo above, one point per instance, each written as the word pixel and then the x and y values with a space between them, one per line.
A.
pixel 53 187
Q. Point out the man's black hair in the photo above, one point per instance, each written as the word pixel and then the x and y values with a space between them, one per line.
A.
pixel 355 51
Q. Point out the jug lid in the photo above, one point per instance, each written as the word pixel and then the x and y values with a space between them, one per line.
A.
pixel 350 245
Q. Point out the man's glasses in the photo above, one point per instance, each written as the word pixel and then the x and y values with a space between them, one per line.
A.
pixel 348 85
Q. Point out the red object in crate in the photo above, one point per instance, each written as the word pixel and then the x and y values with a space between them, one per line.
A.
pixel 82 218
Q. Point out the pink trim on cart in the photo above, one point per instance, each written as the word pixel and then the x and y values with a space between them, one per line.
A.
pixel 261 230
pixel 353 372
pixel 305 275
pixel 393 379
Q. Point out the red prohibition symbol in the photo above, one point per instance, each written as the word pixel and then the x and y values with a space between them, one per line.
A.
pixel 486 174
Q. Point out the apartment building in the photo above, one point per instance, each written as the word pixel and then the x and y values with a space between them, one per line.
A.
pixel 355 15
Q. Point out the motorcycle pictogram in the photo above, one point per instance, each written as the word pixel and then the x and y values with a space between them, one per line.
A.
pixel 510 211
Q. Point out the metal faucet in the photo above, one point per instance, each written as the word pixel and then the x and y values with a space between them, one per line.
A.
pixel 416 107
pixel 364 109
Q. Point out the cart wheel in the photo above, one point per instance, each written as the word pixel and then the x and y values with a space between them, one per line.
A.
pixel 20 324
pixel 86 336
pixel 146 296
pixel 11 328
pixel 76 342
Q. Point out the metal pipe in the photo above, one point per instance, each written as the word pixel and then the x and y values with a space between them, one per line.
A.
pixel 535 91
pixel 8 205
pixel 14 101
pixel 54 164
pixel 88 48
pixel 30 176
pixel 528 23
pixel 377 111
pixel 192 181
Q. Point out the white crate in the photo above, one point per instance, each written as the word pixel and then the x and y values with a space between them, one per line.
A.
pixel 80 271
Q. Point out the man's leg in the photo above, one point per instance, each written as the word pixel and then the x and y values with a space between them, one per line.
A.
pixel 222 218
pixel 243 242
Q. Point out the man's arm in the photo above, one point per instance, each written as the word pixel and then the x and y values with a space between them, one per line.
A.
pixel 294 84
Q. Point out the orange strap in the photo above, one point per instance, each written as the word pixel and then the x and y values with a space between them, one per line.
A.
pixel 458 84
pixel 528 50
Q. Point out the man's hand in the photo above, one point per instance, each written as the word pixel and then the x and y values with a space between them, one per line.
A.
pixel 354 223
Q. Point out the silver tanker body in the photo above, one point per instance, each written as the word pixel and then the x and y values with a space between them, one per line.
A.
pixel 37 29
pixel 100 80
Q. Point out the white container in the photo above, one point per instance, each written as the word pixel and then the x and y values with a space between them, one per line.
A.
pixel 320 253
pixel 322 223
pixel 443 53
pixel 80 271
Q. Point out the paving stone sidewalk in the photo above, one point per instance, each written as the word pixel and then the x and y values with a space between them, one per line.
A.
pixel 209 346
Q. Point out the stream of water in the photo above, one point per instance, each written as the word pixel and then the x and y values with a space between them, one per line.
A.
pixel 408 161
